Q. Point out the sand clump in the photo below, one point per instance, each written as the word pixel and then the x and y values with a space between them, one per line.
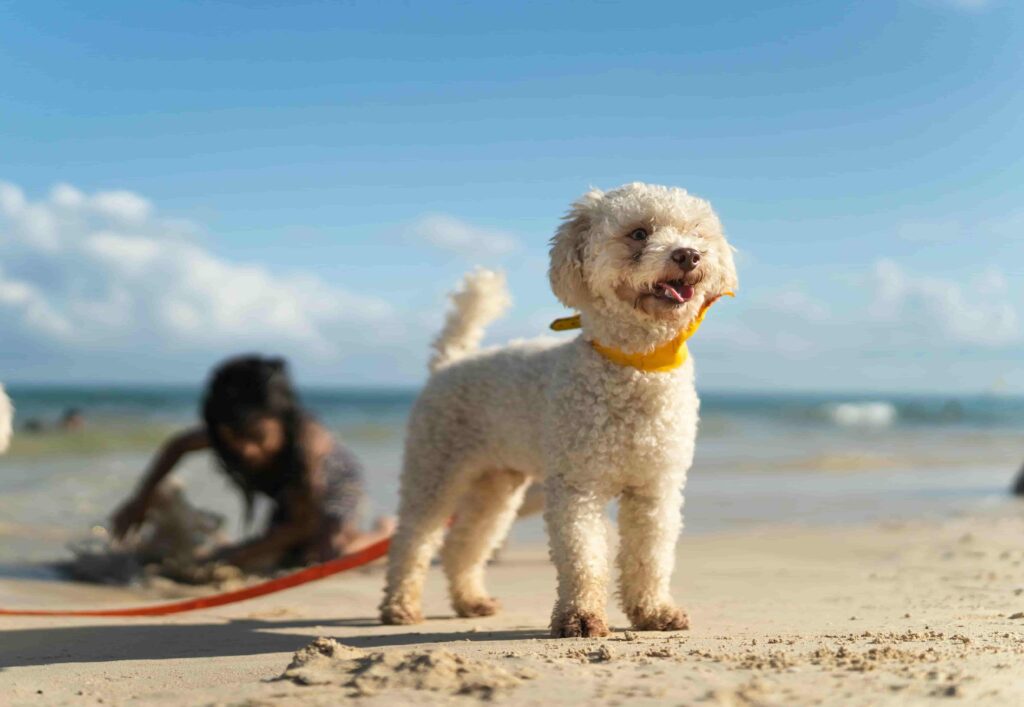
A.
pixel 753 692
pixel 367 673
pixel 843 658
pixel 600 654
pixel 168 549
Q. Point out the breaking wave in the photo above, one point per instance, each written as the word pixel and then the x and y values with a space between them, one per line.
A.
pixel 862 414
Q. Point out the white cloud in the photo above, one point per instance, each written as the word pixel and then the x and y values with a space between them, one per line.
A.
pixel 452 234
pixel 32 307
pixel 798 304
pixel 977 312
pixel 66 196
pixel 12 199
pixel 890 314
pixel 98 272
pixel 785 322
pixel 122 205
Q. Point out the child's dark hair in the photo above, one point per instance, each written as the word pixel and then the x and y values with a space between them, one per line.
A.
pixel 242 390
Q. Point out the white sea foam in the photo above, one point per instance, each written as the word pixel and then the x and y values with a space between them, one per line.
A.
pixel 862 414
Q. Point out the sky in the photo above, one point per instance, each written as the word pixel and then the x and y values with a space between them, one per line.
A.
pixel 184 181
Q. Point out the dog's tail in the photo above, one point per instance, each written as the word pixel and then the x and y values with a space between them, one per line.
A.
pixel 482 298
pixel 6 418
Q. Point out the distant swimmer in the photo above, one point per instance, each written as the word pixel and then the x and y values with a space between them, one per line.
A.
pixel 1018 486
pixel 72 419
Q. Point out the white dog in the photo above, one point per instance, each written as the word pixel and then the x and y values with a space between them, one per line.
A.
pixel 610 414
pixel 6 420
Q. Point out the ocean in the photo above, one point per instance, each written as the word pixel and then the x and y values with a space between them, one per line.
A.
pixel 761 459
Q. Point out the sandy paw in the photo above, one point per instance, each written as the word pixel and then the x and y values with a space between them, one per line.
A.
pixel 666 618
pixel 399 615
pixel 579 624
pixel 483 606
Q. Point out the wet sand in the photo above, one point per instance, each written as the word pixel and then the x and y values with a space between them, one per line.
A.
pixel 921 612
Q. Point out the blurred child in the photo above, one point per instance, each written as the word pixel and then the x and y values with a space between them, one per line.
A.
pixel 268 445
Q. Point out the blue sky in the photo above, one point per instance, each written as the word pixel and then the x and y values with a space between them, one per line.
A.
pixel 329 169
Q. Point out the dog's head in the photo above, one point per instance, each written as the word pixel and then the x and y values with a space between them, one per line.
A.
pixel 639 262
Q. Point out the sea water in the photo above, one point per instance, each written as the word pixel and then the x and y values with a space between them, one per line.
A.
pixel 761 458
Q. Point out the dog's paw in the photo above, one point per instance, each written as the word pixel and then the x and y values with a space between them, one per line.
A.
pixel 480 606
pixel 399 615
pixel 665 618
pixel 579 624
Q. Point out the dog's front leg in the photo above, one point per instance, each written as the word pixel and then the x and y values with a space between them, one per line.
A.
pixel 649 525
pixel 576 528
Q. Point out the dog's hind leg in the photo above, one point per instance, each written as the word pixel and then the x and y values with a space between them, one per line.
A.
pixel 649 525
pixel 423 512
pixel 482 520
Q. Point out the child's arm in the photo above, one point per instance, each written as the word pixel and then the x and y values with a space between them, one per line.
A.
pixel 133 511
pixel 267 549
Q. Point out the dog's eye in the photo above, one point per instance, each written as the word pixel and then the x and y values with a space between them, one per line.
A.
pixel 639 234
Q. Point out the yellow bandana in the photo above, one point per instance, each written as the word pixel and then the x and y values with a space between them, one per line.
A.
pixel 667 357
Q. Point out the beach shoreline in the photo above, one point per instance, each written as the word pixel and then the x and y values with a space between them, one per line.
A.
pixel 888 613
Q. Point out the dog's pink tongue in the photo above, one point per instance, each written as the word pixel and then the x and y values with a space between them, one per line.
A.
pixel 681 295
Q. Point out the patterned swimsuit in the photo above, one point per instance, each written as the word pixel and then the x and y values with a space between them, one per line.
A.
pixel 341 504
pixel 346 493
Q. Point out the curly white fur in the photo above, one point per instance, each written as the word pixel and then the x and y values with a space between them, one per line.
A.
pixel 488 422
pixel 6 420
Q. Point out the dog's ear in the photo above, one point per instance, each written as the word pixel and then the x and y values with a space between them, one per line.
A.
pixel 730 280
pixel 722 279
pixel 566 271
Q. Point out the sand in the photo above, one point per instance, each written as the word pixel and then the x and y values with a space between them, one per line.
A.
pixel 921 612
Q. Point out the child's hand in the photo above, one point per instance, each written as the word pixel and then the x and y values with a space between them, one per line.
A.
pixel 129 516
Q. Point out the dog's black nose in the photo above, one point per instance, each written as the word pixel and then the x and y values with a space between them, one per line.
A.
pixel 686 258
